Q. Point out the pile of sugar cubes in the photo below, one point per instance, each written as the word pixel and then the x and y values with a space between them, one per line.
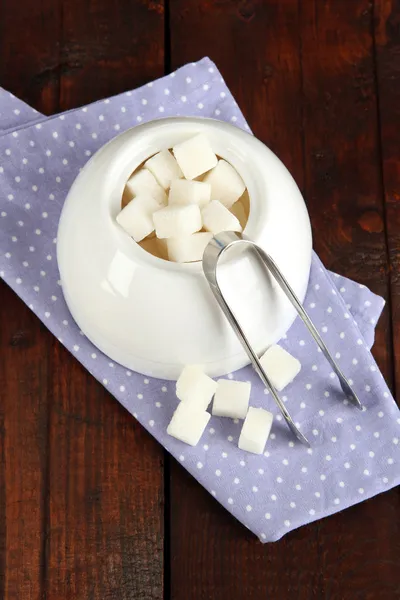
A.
pixel 178 200
pixel 195 390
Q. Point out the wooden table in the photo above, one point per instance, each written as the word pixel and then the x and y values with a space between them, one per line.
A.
pixel 90 506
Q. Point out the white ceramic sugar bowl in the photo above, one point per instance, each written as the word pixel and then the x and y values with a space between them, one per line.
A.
pixel 154 316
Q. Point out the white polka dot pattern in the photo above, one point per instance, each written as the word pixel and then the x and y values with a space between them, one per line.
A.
pixel 354 455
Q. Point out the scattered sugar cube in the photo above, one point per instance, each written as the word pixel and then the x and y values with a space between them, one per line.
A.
pixel 189 192
pixel 231 399
pixel 189 248
pixel 255 430
pixel 144 182
pixel 195 387
pixel 137 216
pixel 238 210
pixel 217 218
pixel 188 423
pixel 164 168
pixel 195 156
pixel 280 366
pixel 177 221
pixel 226 184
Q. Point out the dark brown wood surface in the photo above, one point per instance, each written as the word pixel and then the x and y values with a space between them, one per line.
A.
pixel 90 506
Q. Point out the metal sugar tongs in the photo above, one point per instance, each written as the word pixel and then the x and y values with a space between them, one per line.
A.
pixel 216 248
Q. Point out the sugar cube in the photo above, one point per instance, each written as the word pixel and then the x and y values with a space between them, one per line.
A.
pixel 217 218
pixel 189 192
pixel 144 182
pixel 195 387
pixel 177 221
pixel 164 168
pixel 255 430
pixel 238 210
pixel 231 399
pixel 137 216
pixel 226 184
pixel 188 423
pixel 280 366
pixel 195 156
pixel 189 248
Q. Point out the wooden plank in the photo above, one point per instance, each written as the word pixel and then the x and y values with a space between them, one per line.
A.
pixel 344 195
pixel 108 49
pixel 268 85
pixel 24 348
pixel 28 57
pixel 94 505
pixel 211 554
pixel 309 72
pixel 387 15
pixel 342 173
pixel 105 522
pixel 105 511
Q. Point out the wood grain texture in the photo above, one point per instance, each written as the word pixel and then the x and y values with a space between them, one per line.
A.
pixel 106 492
pixel 28 49
pixel 81 509
pixel 342 158
pixel 263 37
pixel 108 48
pixel 30 44
pixel 306 83
pixel 387 36
pixel 343 186
pixel 211 554
pixel 24 410
pixel 105 504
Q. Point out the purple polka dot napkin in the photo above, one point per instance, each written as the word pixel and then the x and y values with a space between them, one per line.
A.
pixel 354 454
